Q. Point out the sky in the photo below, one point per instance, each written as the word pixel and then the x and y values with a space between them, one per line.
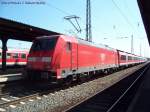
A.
pixel 114 22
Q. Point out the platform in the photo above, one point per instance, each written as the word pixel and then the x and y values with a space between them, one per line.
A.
pixel 11 77
pixel 11 74
pixel 141 101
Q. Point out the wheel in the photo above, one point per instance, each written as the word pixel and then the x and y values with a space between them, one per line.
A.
pixel 68 80
pixel 82 77
pixel 30 76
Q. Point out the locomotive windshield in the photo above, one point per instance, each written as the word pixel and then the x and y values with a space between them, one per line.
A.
pixel 44 44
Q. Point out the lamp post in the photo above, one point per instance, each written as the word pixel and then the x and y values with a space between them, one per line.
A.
pixel 132 49
pixel 140 49
pixel 140 46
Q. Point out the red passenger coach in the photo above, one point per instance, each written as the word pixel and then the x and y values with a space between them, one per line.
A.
pixel 64 57
pixel 15 57
pixel 128 59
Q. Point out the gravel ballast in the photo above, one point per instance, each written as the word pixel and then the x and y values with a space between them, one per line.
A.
pixel 59 101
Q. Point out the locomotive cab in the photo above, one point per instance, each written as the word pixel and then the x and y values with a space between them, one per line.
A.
pixel 39 63
pixel 52 57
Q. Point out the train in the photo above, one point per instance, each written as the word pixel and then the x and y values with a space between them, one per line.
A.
pixel 67 58
pixel 15 57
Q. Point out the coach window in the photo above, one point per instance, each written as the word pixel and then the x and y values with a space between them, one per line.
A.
pixel 135 58
pixel 15 55
pixel 23 56
pixel 68 46
pixel 123 57
pixel 8 55
pixel 129 58
pixel 0 55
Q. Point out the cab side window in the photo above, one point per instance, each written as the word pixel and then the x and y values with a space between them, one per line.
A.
pixel 123 57
pixel 129 58
pixel 68 46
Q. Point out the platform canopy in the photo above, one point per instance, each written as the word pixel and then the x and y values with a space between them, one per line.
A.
pixel 144 6
pixel 19 31
pixel 15 30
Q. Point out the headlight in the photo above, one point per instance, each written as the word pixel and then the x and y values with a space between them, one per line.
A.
pixel 42 59
pixel 46 59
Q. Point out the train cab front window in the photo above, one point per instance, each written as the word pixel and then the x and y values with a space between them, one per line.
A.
pixel 68 46
pixel 44 44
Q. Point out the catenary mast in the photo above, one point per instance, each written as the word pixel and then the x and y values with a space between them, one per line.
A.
pixel 88 21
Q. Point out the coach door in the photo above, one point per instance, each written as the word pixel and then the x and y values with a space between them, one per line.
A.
pixel 74 56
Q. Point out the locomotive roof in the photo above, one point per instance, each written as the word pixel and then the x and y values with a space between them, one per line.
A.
pixel 104 46
pixel 95 44
pixel 46 37
pixel 82 41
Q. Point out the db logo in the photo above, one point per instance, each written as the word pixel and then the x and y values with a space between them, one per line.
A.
pixel 102 56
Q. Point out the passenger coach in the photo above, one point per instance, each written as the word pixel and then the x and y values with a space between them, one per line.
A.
pixel 15 57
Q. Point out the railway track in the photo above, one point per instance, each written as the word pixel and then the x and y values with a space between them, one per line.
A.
pixel 28 95
pixel 12 70
pixel 114 99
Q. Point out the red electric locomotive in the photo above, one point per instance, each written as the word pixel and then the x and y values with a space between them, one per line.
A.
pixel 64 57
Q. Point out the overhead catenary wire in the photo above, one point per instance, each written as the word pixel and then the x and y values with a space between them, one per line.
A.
pixel 123 15
pixel 58 9
pixel 115 4
pixel 65 13
pixel 132 15
pixel 69 18
pixel 128 22
pixel 135 29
